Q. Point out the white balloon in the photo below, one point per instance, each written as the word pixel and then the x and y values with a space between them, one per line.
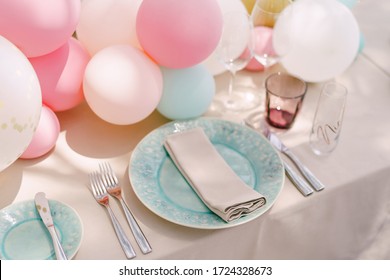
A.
pixel 212 64
pixel 20 103
pixel 324 38
pixel 107 22
pixel 122 85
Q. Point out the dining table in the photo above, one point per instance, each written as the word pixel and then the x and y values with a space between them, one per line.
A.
pixel 348 220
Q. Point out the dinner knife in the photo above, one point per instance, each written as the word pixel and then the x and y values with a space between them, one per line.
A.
pixel 296 179
pixel 278 144
pixel 43 208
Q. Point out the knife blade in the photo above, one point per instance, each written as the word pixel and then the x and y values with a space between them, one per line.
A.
pixel 278 144
pixel 295 178
pixel 43 208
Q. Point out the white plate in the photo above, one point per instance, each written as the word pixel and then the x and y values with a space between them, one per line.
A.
pixel 161 188
pixel 23 236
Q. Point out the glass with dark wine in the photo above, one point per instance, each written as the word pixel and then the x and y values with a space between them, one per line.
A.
pixel 284 96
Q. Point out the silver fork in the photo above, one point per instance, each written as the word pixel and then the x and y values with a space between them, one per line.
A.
pixel 112 185
pixel 101 197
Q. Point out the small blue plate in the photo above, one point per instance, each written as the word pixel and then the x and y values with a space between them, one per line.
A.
pixel 161 188
pixel 23 236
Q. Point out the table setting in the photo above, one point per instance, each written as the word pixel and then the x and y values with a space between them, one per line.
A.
pixel 204 130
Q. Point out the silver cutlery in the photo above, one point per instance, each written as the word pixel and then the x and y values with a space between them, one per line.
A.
pixel 102 198
pixel 43 208
pixel 111 183
pixel 296 179
pixel 278 144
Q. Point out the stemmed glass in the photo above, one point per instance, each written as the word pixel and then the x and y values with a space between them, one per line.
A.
pixel 234 51
pixel 264 16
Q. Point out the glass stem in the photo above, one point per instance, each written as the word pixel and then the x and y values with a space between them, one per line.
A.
pixel 231 83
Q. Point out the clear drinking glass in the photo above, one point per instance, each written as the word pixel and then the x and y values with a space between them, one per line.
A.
pixel 234 51
pixel 264 15
pixel 328 118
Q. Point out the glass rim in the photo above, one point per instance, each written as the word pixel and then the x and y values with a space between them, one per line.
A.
pixel 259 7
pixel 338 90
pixel 289 76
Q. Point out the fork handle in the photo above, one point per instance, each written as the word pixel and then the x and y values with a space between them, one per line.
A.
pixel 136 230
pixel 125 243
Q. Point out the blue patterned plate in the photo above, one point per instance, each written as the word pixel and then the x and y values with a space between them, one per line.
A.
pixel 162 189
pixel 23 236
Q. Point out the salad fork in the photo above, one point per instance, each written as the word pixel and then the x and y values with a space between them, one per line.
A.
pixel 101 197
pixel 112 185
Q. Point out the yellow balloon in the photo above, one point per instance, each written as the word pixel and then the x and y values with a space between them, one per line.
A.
pixel 249 4
pixel 266 11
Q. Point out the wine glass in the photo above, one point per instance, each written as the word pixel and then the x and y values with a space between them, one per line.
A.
pixel 234 51
pixel 264 15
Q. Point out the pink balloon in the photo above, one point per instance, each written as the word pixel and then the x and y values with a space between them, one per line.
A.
pixel 122 85
pixel 254 65
pixel 61 74
pixel 263 44
pixel 179 34
pixel 45 136
pixel 38 27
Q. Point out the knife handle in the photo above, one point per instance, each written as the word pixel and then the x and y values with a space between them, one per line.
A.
pixel 317 185
pixel 297 180
pixel 59 251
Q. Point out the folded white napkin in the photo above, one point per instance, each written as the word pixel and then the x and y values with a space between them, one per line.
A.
pixel 210 176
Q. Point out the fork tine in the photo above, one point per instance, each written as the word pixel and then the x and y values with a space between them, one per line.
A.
pixel 93 184
pixel 97 184
pixel 108 173
pixel 105 174
pixel 103 167
pixel 100 183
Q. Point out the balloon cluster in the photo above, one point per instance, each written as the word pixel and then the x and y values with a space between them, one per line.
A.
pixel 114 54
pixel 135 43
pixel 127 58
pixel 41 72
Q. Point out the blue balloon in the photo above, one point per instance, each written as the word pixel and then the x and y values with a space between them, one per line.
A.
pixel 349 3
pixel 362 42
pixel 187 92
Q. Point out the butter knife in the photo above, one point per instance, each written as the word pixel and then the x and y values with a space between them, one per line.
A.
pixel 295 178
pixel 43 208
pixel 278 144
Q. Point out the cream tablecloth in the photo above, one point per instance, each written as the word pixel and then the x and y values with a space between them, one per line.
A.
pixel 348 220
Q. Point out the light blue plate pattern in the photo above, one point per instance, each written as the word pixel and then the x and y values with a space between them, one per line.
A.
pixel 23 236
pixel 161 188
